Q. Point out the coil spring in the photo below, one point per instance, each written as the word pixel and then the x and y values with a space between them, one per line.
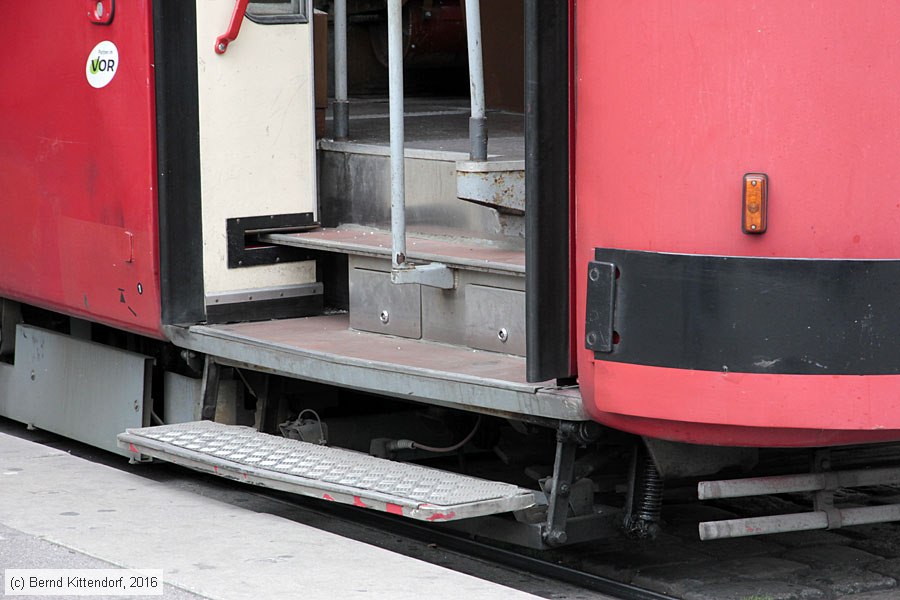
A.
pixel 650 506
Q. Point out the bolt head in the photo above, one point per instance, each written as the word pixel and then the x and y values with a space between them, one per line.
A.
pixel 594 274
pixel 503 335
pixel 384 317
pixel 221 47
pixel 556 537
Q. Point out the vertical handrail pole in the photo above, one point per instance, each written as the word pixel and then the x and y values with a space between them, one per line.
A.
pixel 478 135
pixel 395 91
pixel 341 102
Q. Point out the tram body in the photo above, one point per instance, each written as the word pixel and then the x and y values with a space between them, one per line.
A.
pixel 676 102
pixel 708 255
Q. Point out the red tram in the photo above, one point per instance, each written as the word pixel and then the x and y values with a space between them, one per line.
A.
pixel 677 224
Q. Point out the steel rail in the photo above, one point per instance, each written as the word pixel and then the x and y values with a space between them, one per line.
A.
pixel 463 545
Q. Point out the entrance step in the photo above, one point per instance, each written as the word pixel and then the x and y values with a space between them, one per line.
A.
pixel 376 243
pixel 485 310
pixel 325 349
pixel 446 194
pixel 334 474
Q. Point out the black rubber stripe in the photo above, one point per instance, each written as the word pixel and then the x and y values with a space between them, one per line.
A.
pixel 753 315
pixel 178 159
pixel 547 189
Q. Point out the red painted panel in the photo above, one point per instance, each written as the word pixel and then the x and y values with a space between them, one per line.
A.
pixel 78 232
pixel 688 405
pixel 676 101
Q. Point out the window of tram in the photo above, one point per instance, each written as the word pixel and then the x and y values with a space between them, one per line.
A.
pixel 277 11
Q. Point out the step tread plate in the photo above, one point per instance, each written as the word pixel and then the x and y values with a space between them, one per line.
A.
pixel 335 474
pixel 325 349
pixel 377 243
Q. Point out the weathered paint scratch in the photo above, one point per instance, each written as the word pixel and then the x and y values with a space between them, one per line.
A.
pixel 441 516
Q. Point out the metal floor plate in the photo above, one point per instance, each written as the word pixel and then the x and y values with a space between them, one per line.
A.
pixel 335 474
pixel 325 349
pixel 373 242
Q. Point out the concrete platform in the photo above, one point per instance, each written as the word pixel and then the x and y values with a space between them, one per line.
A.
pixel 205 547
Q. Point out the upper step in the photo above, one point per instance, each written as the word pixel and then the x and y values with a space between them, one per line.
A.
pixel 446 194
pixel 467 254
pixel 334 474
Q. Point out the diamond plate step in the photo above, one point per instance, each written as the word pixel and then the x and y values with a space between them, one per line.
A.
pixel 335 474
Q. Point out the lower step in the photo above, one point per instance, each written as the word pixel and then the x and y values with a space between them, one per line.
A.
pixel 334 474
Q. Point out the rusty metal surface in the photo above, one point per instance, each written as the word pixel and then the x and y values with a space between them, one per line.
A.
pixel 331 336
pixel 326 350
pixel 374 242
pixel 498 184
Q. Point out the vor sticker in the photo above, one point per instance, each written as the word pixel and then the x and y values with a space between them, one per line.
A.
pixel 102 63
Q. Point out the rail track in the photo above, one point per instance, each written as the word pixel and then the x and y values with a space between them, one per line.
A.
pixel 349 521
pixel 816 565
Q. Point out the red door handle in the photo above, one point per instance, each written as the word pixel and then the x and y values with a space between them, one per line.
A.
pixel 234 27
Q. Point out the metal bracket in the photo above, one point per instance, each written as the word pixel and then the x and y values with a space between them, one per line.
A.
pixel 601 302
pixel 234 27
pixel 554 532
pixel 436 275
pixel 209 389
pixel 823 500
pixel 244 250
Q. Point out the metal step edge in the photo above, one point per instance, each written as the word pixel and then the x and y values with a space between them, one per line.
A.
pixel 312 242
pixel 538 403
pixel 384 150
pixel 132 441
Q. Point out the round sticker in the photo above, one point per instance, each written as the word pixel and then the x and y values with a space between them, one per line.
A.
pixel 102 63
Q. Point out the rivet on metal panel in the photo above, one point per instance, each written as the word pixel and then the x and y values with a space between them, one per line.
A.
pixel 384 317
pixel 100 12
pixel 503 335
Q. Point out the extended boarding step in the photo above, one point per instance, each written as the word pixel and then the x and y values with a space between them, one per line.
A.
pixel 334 474
pixel 325 349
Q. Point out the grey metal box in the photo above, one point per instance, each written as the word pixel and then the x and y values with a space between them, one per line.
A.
pixel 380 306
pixel 495 319
pixel 76 388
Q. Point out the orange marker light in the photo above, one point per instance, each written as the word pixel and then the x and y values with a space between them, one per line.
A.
pixel 756 188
